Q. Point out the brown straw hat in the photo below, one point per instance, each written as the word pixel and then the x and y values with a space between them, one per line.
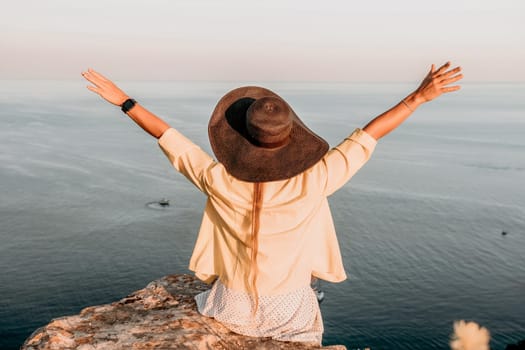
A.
pixel 257 136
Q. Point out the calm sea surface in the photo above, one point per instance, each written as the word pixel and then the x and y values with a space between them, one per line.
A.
pixel 420 226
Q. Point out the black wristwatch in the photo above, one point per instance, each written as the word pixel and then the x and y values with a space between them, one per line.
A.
pixel 127 105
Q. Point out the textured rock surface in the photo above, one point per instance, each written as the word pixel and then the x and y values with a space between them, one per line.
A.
pixel 161 316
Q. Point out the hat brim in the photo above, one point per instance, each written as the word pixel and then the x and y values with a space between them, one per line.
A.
pixel 252 163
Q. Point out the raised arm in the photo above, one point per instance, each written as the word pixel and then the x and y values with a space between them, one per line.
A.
pixel 436 83
pixel 114 95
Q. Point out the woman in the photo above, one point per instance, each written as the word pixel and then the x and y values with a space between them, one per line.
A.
pixel 267 228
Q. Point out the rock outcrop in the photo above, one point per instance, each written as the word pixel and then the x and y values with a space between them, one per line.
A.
pixel 161 316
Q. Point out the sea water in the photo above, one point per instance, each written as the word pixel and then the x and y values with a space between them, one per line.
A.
pixel 420 226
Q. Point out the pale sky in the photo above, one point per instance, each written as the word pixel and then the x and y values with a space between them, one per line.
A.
pixel 270 40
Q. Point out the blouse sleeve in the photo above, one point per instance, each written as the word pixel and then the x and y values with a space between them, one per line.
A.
pixel 344 160
pixel 186 157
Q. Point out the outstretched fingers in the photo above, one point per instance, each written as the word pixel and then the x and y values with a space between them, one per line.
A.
pixel 91 78
pixel 452 79
pixel 449 73
pixel 451 88
pixel 449 77
pixel 97 75
pixel 104 87
pixel 94 89
pixel 100 83
pixel 442 69
pixel 438 81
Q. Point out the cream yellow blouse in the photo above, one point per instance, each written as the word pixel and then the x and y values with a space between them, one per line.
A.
pixel 297 238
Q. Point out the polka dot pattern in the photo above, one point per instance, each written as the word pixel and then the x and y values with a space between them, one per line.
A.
pixel 294 316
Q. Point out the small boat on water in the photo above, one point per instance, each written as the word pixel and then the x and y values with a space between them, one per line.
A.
pixel 161 204
pixel 164 202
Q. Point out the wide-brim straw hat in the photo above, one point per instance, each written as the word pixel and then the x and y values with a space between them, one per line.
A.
pixel 257 136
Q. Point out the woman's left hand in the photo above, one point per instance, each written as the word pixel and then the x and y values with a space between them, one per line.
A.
pixel 105 87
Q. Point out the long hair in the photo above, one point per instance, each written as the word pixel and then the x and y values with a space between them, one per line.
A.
pixel 256 211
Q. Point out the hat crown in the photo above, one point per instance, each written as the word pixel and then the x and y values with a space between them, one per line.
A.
pixel 269 121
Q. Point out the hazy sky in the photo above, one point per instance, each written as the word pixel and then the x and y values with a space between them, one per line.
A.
pixel 341 40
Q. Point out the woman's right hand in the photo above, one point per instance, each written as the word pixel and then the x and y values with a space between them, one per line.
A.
pixel 105 87
pixel 438 82
pixel 435 83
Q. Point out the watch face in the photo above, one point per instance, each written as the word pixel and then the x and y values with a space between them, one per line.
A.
pixel 128 104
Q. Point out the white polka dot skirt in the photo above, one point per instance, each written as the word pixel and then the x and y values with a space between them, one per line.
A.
pixel 294 316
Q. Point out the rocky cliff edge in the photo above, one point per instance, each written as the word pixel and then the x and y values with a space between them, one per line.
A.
pixel 161 316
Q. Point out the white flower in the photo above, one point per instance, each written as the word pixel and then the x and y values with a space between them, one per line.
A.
pixel 469 336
